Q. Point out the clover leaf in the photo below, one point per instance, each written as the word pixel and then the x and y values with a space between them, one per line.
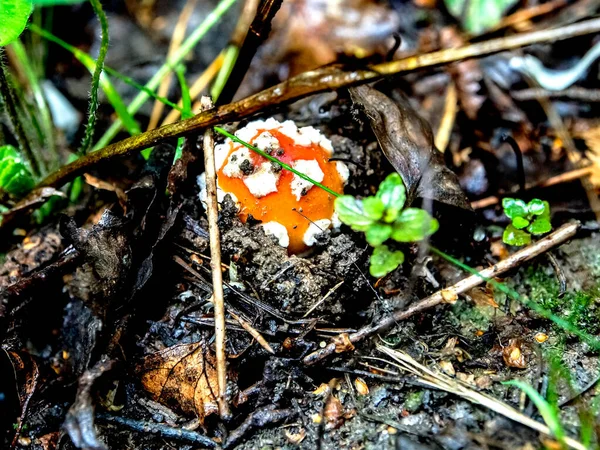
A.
pixel 514 207
pixel 520 222
pixel 382 217
pixel 513 236
pixel 393 195
pixel 540 225
pixel 378 233
pixel 383 261
pixel 351 211
pixel 526 219
pixel 413 225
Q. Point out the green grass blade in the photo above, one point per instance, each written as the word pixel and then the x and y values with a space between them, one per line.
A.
pixel 547 411
pixel 275 160
pixel 168 66
pixel 93 104
pixel 89 63
pixel 47 124
pixel 141 87
pixel 231 55
pixel 186 102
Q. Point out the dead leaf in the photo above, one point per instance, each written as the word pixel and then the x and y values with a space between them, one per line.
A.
pixel 106 186
pixel 342 343
pixel 333 413
pixel 482 297
pixel 447 368
pixel 513 355
pixel 295 438
pixel 466 74
pixel 406 140
pixel 449 296
pixel 28 375
pixel 185 376
pixel 361 386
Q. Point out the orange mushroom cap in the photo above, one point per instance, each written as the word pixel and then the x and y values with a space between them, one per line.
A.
pixel 292 209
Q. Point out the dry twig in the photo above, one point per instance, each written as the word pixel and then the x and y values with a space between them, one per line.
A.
pixel 562 178
pixel 215 264
pixel 543 245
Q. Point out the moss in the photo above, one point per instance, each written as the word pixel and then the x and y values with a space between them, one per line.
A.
pixel 581 308
pixel 414 400
pixel 471 318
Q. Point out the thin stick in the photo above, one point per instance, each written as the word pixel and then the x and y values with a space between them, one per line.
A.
pixel 309 83
pixel 215 265
pixel 562 178
pixel 253 332
pixel 558 237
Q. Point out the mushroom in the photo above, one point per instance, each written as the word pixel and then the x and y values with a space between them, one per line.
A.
pixel 290 208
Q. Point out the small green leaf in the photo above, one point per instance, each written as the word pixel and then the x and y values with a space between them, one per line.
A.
pixel 393 195
pixel 14 15
pixel 512 236
pixel 351 212
pixel 378 233
pixel 15 176
pixel 537 207
pixel 540 225
pixel 413 225
pixel 478 16
pixel 373 207
pixel 519 223
pixel 383 261
pixel 514 207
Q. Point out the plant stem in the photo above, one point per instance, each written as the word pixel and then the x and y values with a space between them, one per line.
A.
pixel 93 108
pixel 9 101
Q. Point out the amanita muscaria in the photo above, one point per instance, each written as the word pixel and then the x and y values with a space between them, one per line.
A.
pixel 290 208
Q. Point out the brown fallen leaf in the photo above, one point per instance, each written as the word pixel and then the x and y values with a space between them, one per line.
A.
pixel 406 140
pixel 513 355
pixel 184 376
pixel 333 413
pixel 482 297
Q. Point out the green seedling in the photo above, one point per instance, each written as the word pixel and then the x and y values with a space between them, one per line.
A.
pixel 526 219
pixel 382 217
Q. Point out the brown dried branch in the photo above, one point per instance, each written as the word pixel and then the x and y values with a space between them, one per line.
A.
pixel 309 83
pixel 558 237
pixel 215 264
